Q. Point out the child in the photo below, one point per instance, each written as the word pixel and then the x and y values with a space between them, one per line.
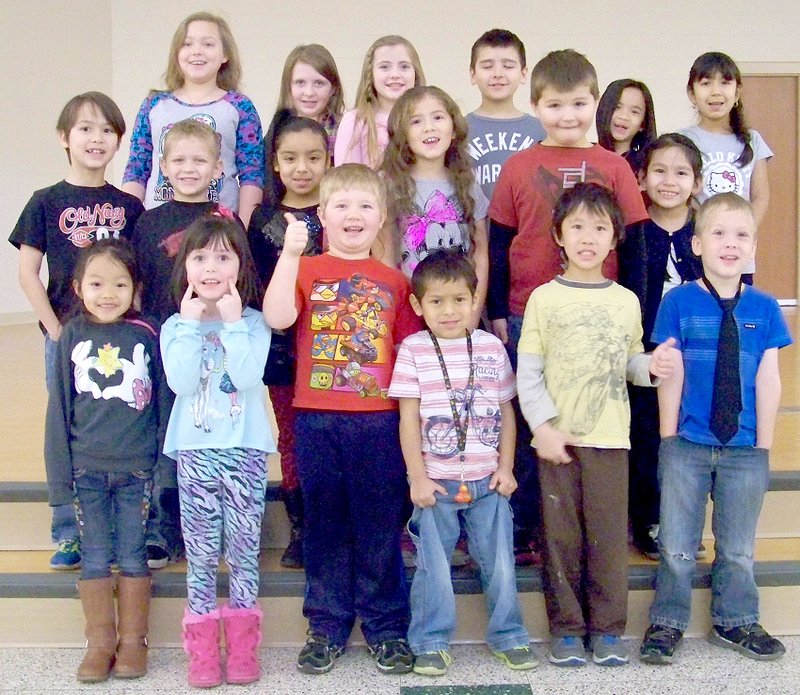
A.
pixel 214 353
pixel 497 128
pixel 190 160
pixel 56 223
pixel 297 159
pixel 101 444
pixel 391 67
pixel 733 331
pixel 203 73
pixel 626 120
pixel 457 433
pixel 581 337
pixel 655 256
pixel 734 157
pixel 522 253
pixel 435 200
pixel 311 86
pixel 350 311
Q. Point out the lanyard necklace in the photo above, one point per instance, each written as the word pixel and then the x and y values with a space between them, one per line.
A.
pixel 463 495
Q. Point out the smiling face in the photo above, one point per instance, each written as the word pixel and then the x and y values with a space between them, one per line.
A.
pixel 300 161
pixel 310 91
pixel 446 306
pixel 498 72
pixel 726 244
pixel 392 74
pixel 91 142
pixel 202 53
pixel 628 118
pixel 714 97
pixel 587 237
pixel 190 165
pixel 669 179
pixel 210 270
pixel 352 219
pixel 430 129
pixel 106 289
pixel 566 116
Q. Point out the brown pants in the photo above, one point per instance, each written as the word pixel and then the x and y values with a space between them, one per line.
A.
pixel 585 523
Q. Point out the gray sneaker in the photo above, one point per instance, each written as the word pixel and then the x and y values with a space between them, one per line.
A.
pixel 567 651
pixel 609 650
pixel 433 663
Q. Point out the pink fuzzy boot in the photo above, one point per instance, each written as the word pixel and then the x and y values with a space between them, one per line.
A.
pixel 201 643
pixel 242 638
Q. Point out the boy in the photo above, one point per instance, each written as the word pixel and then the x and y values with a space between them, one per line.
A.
pixel 522 253
pixel 716 435
pixel 350 311
pixel 581 338
pixel 56 223
pixel 497 128
pixel 457 426
pixel 190 161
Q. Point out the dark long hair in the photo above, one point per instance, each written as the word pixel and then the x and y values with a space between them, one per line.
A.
pixel 605 111
pixel 710 64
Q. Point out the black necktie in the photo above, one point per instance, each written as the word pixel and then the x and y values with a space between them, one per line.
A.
pixel 726 401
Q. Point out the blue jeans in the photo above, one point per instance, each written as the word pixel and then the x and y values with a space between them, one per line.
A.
pixel 63 526
pixel 435 531
pixel 105 502
pixel 353 479
pixel 737 479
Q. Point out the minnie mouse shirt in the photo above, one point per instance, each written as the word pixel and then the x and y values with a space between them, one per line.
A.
pixel 437 221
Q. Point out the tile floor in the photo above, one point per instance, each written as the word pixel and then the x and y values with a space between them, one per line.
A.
pixel 700 669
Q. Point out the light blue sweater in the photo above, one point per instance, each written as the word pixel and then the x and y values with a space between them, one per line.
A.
pixel 215 370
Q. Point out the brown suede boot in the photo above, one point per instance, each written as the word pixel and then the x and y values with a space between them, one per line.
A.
pixel 97 599
pixel 133 605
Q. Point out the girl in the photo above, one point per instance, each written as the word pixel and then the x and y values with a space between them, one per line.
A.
pixel 626 120
pixel 214 354
pixel 311 86
pixel 391 67
pixel 435 201
pixel 203 73
pixel 655 256
pixel 734 157
pixel 101 446
pixel 297 159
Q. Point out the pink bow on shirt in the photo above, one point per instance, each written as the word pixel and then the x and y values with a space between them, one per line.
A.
pixel 438 209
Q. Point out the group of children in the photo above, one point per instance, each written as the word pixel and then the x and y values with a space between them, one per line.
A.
pixel 358 296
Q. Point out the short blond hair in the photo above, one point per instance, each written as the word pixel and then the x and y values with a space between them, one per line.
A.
pixel 352 177
pixel 193 128
pixel 728 201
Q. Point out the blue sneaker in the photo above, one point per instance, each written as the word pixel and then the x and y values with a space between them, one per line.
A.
pixel 68 555
pixel 567 651
pixel 609 650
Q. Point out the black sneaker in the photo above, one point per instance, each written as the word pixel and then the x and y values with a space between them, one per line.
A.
pixel 393 656
pixel 659 644
pixel 318 654
pixel 647 544
pixel 753 641
pixel 157 557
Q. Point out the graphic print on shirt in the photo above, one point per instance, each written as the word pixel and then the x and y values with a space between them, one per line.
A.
pixel 590 362
pixel 85 225
pixel 163 189
pixel 437 225
pixel 550 184
pixel 213 370
pixel 350 335
pixel 721 174
pixel 106 375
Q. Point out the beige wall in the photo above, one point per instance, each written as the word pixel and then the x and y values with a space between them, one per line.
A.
pixel 57 48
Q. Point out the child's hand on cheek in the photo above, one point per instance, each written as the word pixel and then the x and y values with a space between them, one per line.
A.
pixel 296 237
pixel 192 308
pixel 230 305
